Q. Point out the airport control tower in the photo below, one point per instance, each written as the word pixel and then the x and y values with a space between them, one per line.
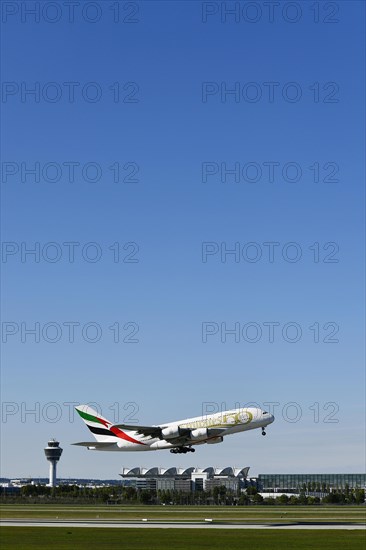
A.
pixel 53 452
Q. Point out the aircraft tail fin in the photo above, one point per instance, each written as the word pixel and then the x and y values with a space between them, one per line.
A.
pixel 97 424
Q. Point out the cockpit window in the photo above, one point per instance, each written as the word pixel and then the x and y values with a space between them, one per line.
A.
pixel 265 412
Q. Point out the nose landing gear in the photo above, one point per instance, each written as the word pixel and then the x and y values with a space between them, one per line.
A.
pixel 263 432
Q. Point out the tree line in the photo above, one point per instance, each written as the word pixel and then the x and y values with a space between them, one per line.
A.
pixel 118 494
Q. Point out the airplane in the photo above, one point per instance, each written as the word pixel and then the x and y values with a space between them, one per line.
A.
pixel 179 436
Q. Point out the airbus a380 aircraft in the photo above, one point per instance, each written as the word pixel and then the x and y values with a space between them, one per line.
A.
pixel 179 436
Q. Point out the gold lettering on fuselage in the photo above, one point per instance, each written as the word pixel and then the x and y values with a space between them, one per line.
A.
pixel 225 421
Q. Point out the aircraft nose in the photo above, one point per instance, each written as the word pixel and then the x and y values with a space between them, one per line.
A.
pixel 266 416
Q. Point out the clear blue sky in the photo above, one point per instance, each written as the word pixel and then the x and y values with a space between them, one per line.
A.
pixel 176 124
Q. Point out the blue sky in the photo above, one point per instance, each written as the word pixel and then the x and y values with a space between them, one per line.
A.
pixel 162 130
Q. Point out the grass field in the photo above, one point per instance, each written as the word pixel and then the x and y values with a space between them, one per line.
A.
pixel 58 538
pixel 34 538
pixel 188 513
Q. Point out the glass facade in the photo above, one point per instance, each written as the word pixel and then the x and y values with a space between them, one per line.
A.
pixel 309 482
pixel 232 484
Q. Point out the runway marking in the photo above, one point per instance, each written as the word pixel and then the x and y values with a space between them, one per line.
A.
pixel 180 525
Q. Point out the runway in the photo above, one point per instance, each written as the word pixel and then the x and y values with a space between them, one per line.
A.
pixel 179 525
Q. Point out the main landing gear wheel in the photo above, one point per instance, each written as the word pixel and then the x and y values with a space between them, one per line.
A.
pixel 263 432
pixel 183 450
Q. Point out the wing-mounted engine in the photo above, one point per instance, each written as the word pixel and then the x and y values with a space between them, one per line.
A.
pixel 206 433
pixel 199 433
pixel 174 432
pixel 177 434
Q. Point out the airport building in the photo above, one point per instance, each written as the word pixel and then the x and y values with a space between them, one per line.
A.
pixel 295 483
pixel 236 479
pixel 185 479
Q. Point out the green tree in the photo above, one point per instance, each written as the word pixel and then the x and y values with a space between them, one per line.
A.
pixel 303 499
pixel 165 497
pixel 359 496
pixel 222 492
pixel 145 496
pixel 331 498
pixel 283 499
pixel 257 499
pixel 130 493
pixel 243 499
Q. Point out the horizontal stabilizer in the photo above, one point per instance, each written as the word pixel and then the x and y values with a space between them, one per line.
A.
pixel 95 444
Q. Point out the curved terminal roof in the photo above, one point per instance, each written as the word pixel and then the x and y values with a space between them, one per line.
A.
pixel 228 471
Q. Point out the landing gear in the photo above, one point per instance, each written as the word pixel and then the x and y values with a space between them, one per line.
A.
pixel 184 450
pixel 263 432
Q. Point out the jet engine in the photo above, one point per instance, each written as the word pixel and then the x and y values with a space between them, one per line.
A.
pixel 199 433
pixel 171 432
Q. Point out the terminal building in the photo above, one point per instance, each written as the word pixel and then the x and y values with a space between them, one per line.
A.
pixel 236 479
pixel 295 483
pixel 185 479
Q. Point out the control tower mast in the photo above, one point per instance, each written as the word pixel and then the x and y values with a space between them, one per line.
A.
pixel 53 452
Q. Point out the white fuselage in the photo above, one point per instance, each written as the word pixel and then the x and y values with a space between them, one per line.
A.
pixel 202 429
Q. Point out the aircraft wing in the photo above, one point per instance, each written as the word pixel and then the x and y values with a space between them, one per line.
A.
pixel 95 444
pixel 215 432
pixel 185 438
pixel 153 431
